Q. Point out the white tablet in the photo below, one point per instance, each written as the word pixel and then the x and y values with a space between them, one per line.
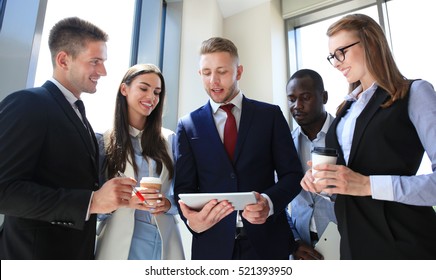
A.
pixel 238 199
pixel 328 244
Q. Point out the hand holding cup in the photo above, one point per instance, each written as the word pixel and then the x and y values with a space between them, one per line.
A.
pixel 323 155
pixel 150 187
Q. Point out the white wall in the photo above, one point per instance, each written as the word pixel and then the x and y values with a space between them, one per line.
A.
pixel 250 31
pixel 201 20
pixel 259 34
pixel 260 38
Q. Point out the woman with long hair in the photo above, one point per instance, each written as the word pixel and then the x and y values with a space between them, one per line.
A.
pixel 384 210
pixel 138 146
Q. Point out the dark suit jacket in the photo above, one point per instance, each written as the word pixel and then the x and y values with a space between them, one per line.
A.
pixel 385 142
pixel 48 171
pixel 264 145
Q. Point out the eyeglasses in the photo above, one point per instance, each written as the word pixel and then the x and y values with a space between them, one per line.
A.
pixel 339 53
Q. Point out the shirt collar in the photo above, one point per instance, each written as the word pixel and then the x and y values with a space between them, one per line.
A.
pixel 352 96
pixel 135 132
pixel 237 101
pixel 324 128
pixel 68 94
pixel 327 123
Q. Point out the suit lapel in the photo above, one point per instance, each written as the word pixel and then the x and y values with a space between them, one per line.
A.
pixel 203 119
pixel 205 123
pixel 81 130
pixel 379 97
pixel 247 113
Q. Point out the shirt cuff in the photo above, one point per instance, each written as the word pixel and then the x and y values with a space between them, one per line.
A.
pixel 271 205
pixel 382 187
pixel 89 207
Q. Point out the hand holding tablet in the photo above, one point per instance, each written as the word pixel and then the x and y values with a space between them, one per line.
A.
pixel 238 199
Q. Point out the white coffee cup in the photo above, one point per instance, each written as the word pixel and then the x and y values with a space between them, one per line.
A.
pixel 322 155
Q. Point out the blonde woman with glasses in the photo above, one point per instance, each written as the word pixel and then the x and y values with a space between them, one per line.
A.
pixel 382 130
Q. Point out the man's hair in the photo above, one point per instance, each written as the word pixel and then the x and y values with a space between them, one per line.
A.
pixel 316 78
pixel 71 35
pixel 219 44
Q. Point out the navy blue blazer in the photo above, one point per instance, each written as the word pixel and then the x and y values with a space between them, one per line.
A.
pixel 264 146
pixel 48 170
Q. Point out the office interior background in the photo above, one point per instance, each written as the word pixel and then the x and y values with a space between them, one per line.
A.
pixel 275 38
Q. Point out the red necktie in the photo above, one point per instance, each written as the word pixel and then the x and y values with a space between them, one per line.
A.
pixel 230 131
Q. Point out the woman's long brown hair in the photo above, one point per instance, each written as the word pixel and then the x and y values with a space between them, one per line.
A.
pixel 119 150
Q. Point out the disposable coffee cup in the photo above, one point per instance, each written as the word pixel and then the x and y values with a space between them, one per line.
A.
pixel 151 183
pixel 322 155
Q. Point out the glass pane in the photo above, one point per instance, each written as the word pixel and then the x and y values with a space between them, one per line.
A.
pixel 413 39
pixel 412 43
pixel 115 18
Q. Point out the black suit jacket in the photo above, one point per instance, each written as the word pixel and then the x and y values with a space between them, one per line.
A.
pixel 48 170
pixel 385 142
pixel 264 145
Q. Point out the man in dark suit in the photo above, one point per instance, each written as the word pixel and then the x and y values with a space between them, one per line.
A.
pixel 263 146
pixel 49 188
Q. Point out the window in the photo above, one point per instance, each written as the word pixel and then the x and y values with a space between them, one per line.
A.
pixel 413 36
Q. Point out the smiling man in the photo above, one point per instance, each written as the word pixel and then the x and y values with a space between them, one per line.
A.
pixel 49 189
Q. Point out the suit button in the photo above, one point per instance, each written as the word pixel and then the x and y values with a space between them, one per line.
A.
pixel 232 175
pixel 311 205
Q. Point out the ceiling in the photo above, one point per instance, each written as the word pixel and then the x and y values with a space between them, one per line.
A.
pixel 232 7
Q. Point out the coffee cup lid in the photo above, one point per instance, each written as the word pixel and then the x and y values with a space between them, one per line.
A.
pixel 325 151
pixel 151 180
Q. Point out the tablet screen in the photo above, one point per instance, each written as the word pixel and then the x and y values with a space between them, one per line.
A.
pixel 238 199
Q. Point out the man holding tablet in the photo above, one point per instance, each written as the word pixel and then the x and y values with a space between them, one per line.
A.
pixel 235 148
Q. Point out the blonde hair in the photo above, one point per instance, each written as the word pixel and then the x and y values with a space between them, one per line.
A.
pixel 219 44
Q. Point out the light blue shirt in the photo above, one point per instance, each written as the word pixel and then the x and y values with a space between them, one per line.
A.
pixel 144 171
pixel 146 241
pixel 414 190
pixel 310 211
